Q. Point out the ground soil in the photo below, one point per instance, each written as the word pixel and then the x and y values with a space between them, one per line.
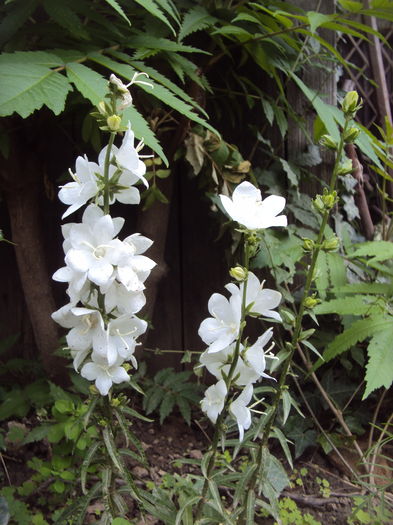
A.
pixel 175 439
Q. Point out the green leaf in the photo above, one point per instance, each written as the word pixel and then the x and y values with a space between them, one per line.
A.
pixel 195 19
pixel 118 9
pixel 142 131
pixel 91 84
pixel 351 5
pixel 188 503
pixel 356 333
pixel 63 15
pixel 378 250
pixel 358 305
pixel 379 367
pixel 15 19
pixel 86 463
pixel 121 521
pixel 316 19
pixel 26 86
pixel 153 9
pixel 250 506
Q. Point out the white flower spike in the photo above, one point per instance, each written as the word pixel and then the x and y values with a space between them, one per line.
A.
pixel 248 209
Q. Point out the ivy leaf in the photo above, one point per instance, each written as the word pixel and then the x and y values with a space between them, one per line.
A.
pixel 27 86
pixel 92 85
pixel 379 367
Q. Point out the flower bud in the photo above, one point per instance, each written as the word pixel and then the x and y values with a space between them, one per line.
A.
pixel 101 106
pixel 311 301
pixel 345 168
pixel 351 104
pixel 351 135
pixel 330 245
pixel 329 199
pixel 318 204
pixel 328 142
pixel 115 402
pixel 308 245
pixel 239 273
pixel 114 122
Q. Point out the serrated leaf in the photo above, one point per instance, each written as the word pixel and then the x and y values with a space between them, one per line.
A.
pixel 63 15
pixel 15 19
pixel 28 87
pixel 142 131
pixel 114 4
pixel 379 367
pixel 378 250
pixel 357 305
pixel 356 333
pixel 153 9
pixel 91 84
pixel 166 406
pixel 195 19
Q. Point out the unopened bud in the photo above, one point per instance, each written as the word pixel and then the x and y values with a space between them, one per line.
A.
pixel 101 106
pixel 328 142
pixel 115 402
pixel 114 122
pixel 330 245
pixel 345 168
pixel 239 273
pixel 351 104
pixel 93 390
pixel 318 204
pixel 351 135
pixel 308 245
pixel 311 301
pixel 329 199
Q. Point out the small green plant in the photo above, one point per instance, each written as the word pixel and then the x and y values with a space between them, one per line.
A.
pixel 324 487
pixel 290 513
pixel 170 389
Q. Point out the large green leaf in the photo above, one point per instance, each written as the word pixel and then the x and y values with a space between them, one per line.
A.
pixel 153 9
pixel 28 84
pixel 357 332
pixel 379 367
pixel 91 84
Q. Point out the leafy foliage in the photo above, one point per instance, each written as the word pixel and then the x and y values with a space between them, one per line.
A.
pixel 169 389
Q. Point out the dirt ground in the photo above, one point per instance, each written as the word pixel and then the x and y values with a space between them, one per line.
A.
pixel 318 486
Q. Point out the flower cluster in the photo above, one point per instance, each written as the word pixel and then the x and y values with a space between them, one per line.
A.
pixel 105 275
pixel 232 362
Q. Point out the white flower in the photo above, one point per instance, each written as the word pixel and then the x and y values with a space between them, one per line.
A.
pixel 213 402
pixel 118 298
pixel 219 364
pixel 127 160
pixel 248 209
pixel 121 181
pixel 254 356
pixel 238 409
pixel 103 374
pixel 222 329
pixel 119 339
pixel 263 300
pixel 84 187
pixel 91 248
pixel 134 268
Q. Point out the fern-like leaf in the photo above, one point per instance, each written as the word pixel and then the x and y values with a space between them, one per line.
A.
pixel 152 7
pixel 195 19
pixel 379 367
pixel 357 332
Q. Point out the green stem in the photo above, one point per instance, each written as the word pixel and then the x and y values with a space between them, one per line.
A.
pixel 106 171
pixel 298 322
pixel 219 423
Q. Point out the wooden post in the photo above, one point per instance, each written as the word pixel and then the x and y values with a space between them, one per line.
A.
pixel 323 82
